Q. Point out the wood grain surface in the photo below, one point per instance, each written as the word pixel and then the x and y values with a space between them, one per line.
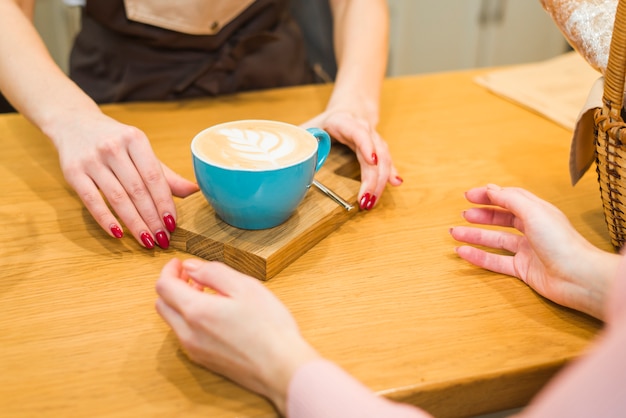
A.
pixel 383 295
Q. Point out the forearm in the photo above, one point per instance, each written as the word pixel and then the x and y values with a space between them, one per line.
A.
pixel 279 371
pixel 30 79
pixel 320 388
pixel 591 274
pixel 361 32
pixel 602 284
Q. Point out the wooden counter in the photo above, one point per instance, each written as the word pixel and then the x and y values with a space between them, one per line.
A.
pixel 384 295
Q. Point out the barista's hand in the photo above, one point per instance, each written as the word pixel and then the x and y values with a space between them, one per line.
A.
pixel 550 256
pixel 371 150
pixel 104 159
pixel 239 330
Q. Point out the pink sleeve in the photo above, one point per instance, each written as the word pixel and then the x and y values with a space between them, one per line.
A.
pixel 595 384
pixel 322 389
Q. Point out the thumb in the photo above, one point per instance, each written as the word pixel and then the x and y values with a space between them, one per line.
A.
pixel 172 268
pixel 519 201
pixel 218 276
pixel 180 186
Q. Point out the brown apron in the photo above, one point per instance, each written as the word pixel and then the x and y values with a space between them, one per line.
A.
pixel 134 50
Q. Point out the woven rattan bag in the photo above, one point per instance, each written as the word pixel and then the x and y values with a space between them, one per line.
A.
pixel 610 134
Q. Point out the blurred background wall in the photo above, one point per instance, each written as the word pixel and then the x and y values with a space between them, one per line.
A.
pixel 442 35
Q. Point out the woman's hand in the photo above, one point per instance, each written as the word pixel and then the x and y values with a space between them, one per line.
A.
pixel 550 256
pixel 371 150
pixel 239 330
pixel 104 159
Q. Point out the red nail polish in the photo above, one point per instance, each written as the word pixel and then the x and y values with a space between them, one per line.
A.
pixel 364 199
pixel 400 179
pixel 170 223
pixel 117 231
pixel 370 203
pixel 374 158
pixel 147 240
pixel 162 240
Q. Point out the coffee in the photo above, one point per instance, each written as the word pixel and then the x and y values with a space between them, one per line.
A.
pixel 254 144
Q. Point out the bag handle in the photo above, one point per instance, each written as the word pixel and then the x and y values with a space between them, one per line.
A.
pixel 613 96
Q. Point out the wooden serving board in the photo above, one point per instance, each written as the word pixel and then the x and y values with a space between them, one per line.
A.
pixel 264 253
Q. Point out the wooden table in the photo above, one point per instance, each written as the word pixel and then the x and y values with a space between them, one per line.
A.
pixel 384 295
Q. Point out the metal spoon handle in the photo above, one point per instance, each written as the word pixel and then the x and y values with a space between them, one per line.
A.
pixel 347 206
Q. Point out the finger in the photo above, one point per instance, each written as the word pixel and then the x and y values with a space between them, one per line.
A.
pixel 499 240
pixel 489 216
pixel 174 319
pixel 172 271
pixel 383 163
pixel 173 268
pixel 485 195
pixel 122 204
pixel 180 186
pixel 518 200
pixel 374 167
pixel 494 262
pixel 129 173
pixel 175 291
pixel 219 277
pixel 151 171
pixel 369 174
pixel 530 210
pixel 394 176
pixel 92 199
pixel 514 202
pixel 150 194
pixel 478 195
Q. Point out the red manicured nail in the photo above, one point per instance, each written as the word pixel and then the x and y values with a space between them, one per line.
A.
pixel 374 158
pixel 400 179
pixel 170 223
pixel 116 231
pixel 162 240
pixel 147 240
pixel 370 203
pixel 364 199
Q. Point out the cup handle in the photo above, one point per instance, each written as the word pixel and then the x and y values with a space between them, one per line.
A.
pixel 323 145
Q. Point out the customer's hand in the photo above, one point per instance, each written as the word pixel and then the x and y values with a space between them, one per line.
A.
pixel 371 150
pixel 550 256
pixel 239 329
pixel 104 160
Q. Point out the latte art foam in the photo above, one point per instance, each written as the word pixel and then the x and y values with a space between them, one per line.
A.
pixel 255 145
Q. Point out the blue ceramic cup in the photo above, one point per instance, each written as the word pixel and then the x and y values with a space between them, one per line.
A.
pixel 255 173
